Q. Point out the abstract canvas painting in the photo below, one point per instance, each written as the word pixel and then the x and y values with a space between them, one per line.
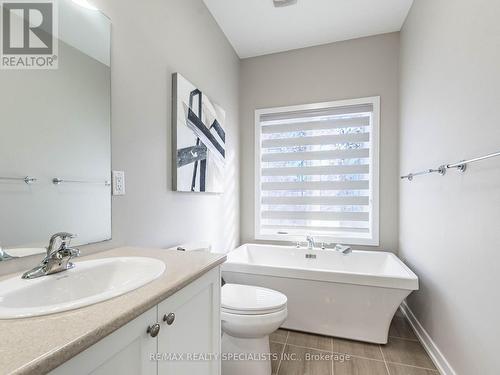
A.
pixel 198 139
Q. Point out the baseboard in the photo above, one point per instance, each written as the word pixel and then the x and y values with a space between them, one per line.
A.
pixel 429 345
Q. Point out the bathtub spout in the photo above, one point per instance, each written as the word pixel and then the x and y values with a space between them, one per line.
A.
pixel 310 242
pixel 343 249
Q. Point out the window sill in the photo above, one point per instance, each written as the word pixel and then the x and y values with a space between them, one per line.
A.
pixel 338 240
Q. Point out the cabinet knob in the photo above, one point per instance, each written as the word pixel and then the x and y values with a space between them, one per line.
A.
pixel 169 318
pixel 153 330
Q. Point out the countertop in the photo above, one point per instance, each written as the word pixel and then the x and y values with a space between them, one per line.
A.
pixel 38 345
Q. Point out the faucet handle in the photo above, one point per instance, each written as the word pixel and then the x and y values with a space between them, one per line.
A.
pixel 64 235
pixel 65 239
pixel 342 248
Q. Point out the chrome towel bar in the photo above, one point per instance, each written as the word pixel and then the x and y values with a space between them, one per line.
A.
pixel 461 166
pixel 58 181
pixel 441 170
pixel 27 180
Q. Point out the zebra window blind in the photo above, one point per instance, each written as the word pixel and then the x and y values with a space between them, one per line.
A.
pixel 317 172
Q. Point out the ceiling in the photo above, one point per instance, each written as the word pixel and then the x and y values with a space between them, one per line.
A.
pixel 256 27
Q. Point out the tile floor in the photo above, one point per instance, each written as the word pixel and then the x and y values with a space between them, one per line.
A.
pixel 307 354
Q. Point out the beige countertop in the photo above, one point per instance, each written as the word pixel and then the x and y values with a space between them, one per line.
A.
pixel 40 344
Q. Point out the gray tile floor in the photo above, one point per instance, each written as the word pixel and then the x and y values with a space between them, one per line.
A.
pixel 307 354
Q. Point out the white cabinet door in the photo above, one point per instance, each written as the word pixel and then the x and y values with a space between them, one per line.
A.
pixel 126 351
pixel 195 332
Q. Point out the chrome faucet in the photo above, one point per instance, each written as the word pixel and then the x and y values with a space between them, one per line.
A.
pixel 342 249
pixel 310 242
pixel 58 257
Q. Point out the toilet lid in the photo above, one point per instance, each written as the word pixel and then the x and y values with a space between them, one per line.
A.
pixel 246 299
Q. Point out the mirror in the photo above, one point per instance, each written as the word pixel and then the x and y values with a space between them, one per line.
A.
pixel 55 143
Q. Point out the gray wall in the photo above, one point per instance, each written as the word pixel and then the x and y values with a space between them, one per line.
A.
pixel 449 226
pixel 150 41
pixel 344 70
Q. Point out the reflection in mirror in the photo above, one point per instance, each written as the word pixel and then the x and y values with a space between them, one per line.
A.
pixel 55 153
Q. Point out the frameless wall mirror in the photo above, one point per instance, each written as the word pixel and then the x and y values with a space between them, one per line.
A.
pixel 55 142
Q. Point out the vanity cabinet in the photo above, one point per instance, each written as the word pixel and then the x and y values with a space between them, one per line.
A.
pixel 191 326
pixel 178 336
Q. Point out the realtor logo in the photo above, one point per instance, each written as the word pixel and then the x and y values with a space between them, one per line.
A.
pixel 29 35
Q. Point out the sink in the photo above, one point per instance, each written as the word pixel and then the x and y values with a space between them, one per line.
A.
pixel 89 282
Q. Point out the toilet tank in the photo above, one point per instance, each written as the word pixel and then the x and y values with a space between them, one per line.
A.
pixel 193 246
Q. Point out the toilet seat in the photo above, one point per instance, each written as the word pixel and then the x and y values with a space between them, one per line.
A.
pixel 256 312
pixel 251 300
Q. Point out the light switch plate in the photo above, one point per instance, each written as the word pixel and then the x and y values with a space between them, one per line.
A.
pixel 118 182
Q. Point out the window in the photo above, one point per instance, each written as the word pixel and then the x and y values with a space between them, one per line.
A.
pixel 317 172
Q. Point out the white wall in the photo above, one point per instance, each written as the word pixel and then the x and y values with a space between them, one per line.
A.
pixel 344 70
pixel 449 226
pixel 150 41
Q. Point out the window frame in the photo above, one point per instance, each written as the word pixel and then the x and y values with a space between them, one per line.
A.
pixel 374 174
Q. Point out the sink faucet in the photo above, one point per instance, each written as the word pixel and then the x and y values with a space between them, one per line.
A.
pixel 58 257
pixel 310 242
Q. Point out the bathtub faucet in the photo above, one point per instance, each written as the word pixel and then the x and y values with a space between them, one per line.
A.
pixel 342 249
pixel 310 242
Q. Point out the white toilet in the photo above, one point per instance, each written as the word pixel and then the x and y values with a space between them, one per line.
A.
pixel 249 314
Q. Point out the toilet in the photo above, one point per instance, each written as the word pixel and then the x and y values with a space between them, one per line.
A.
pixel 249 315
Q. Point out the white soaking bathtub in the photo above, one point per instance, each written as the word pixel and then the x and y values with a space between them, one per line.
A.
pixel 352 296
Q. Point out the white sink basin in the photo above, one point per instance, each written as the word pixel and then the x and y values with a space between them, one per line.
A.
pixel 89 282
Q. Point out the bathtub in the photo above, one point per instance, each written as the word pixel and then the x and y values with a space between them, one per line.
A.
pixel 352 296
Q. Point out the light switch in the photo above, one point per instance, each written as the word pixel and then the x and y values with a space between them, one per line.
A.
pixel 118 182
